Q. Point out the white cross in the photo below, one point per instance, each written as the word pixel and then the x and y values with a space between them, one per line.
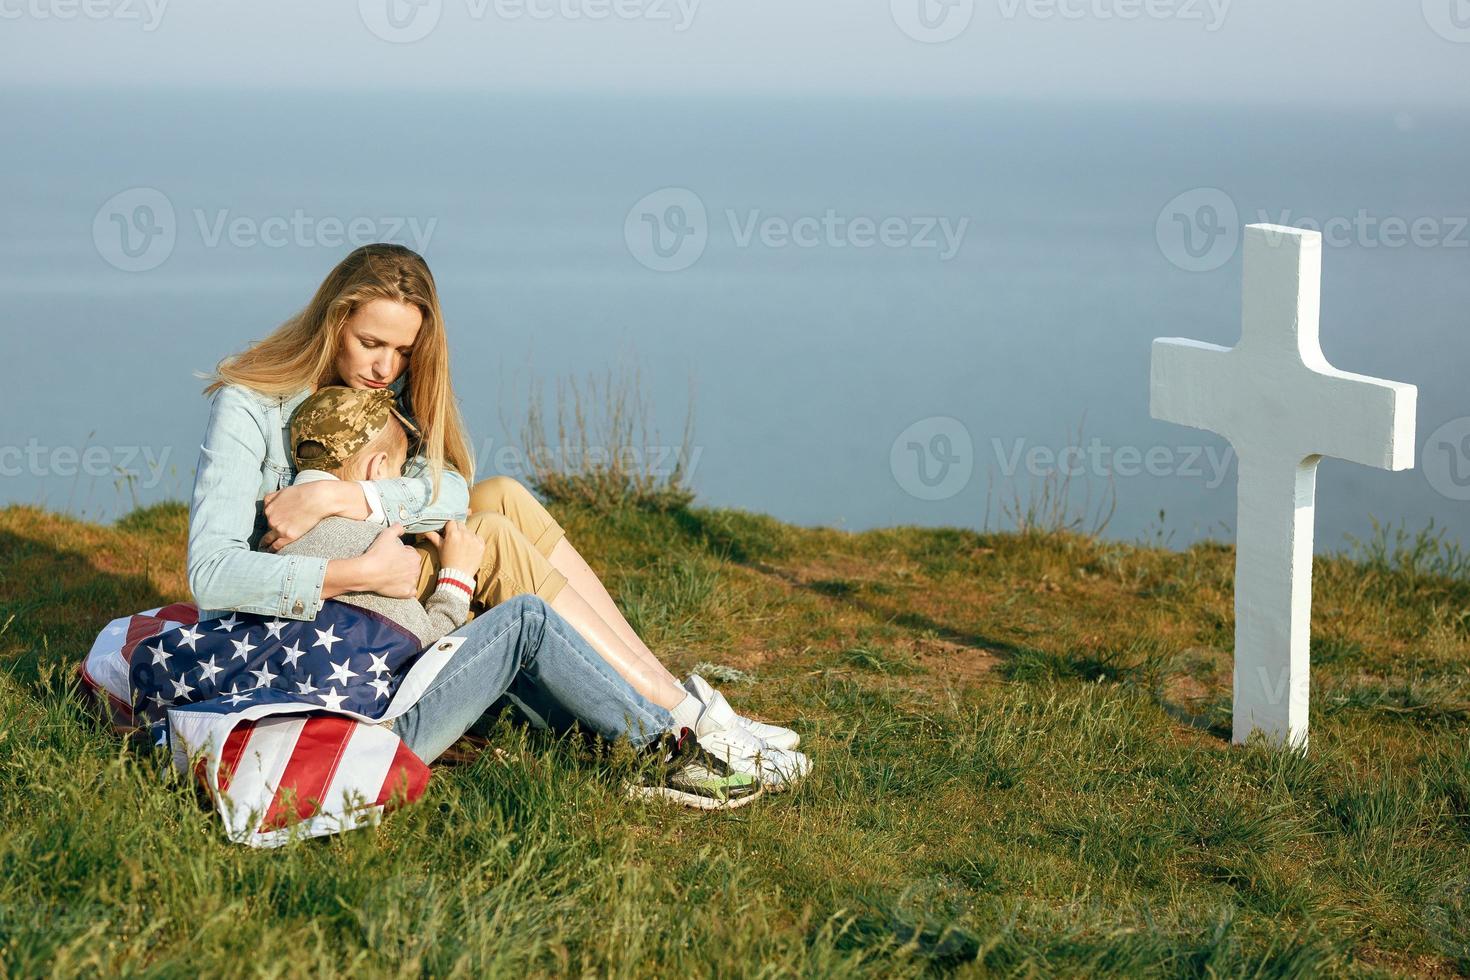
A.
pixel 1282 407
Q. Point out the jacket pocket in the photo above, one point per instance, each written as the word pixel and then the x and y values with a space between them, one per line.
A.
pixel 275 476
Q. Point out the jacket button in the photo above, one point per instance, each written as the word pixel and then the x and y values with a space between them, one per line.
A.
pixel 402 511
pixel 298 607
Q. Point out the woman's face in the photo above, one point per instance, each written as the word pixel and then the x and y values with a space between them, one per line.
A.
pixel 376 341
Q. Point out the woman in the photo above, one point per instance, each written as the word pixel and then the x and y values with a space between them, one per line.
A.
pixel 375 315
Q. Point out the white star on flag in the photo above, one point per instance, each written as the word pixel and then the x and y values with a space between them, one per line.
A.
pixel 188 636
pixel 243 648
pixel 380 684
pixel 326 637
pixel 158 701
pixel 181 687
pixel 264 676
pixel 340 672
pixel 305 687
pixel 292 654
pixel 333 700
pixel 380 664
pixel 208 670
pixel 160 655
pixel 236 699
pixel 274 627
pixel 228 624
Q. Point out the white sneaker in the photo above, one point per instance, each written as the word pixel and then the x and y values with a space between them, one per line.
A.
pixel 730 742
pixel 774 736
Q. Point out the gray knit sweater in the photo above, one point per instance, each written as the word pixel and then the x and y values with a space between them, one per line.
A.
pixel 341 537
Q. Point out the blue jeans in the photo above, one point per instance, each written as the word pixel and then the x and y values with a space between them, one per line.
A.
pixel 522 653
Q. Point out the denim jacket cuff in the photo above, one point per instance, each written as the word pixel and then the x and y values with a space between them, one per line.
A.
pixel 376 513
pixel 400 498
pixel 405 501
pixel 305 577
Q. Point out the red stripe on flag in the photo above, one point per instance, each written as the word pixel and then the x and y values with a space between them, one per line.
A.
pixel 407 774
pixel 140 628
pixel 309 772
pixel 180 612
pixel 143 627
pixel 234 749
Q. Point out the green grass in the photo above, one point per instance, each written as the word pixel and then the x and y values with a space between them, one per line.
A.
pixel 1022 769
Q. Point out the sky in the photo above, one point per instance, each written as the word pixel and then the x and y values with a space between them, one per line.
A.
pixel 1403 54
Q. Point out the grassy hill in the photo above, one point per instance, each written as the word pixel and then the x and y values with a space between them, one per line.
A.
pixel 1022 767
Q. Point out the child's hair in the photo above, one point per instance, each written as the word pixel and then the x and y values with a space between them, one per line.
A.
pixel 391 439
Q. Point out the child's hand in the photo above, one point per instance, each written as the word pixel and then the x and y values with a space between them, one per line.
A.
pixel 459 547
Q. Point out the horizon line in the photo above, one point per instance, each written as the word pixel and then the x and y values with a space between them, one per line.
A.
pixel 759 95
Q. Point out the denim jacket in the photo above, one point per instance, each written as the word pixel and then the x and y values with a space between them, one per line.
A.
pixel 243 458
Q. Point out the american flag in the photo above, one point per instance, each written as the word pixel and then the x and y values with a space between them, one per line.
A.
pixel 283 721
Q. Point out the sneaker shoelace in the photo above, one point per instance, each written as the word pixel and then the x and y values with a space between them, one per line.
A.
pixel 743 738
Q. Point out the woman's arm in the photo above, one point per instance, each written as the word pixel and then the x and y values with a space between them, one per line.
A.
pixel 294 510
pixel 406 498
pixel 224 573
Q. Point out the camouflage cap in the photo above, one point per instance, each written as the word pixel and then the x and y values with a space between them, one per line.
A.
pixel 343 420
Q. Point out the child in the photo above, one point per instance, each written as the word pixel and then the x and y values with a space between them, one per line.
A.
pixel 342 433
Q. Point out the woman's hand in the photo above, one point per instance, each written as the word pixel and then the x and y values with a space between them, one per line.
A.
pixel 389 567
pixel 294 510
pixel 459 547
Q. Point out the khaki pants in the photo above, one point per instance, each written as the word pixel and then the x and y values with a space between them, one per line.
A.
pixel 519 535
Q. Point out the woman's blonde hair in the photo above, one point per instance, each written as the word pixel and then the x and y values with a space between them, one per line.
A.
pixel 302 352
